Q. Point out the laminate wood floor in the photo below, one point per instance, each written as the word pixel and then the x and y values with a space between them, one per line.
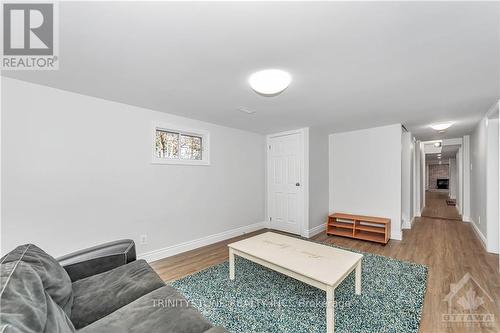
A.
pixel 436 206
pixel 449 248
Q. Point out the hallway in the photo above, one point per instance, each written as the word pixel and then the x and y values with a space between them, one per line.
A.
pixel 436 206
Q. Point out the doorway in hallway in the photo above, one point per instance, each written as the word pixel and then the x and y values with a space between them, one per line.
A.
pixel 443 179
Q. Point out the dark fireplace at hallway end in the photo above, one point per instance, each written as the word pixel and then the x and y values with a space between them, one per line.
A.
pixel 442 183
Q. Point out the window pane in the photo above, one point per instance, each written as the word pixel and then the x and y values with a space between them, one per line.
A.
pixel 166 144
pixel 190 147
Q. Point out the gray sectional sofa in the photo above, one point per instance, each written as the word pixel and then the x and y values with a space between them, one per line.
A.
pixel 101 289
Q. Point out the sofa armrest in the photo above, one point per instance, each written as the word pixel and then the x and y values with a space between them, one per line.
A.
pixel 98 259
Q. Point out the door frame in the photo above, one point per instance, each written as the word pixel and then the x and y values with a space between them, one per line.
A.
pixel 304 170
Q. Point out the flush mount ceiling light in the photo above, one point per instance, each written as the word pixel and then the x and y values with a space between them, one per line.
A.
pixel 441 126
pixel 270 82
pixel 437 144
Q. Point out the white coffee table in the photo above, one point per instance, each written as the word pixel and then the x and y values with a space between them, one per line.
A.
pixel 318 265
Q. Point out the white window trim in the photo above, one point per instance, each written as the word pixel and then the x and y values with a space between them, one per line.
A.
pixel 205 137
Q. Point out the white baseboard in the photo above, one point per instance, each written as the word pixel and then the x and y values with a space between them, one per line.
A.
pixel 491 249
pixel 466 218
pixel 196 243
pixel 314 231
pixel 478 232
pixel 406 225
pixel 418 213
pixel 396 237
pixel 266 224
pixel 409 225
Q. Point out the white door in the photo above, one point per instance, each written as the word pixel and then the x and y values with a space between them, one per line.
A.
pixel 285 182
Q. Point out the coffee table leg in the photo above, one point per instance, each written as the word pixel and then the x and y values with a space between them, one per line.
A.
pixel 330 309
pixel 231 264
pixel 358 278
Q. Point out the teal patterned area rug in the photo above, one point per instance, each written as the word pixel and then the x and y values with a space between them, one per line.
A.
pixel 261 300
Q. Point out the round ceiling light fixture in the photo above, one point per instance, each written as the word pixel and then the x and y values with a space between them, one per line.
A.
pixel 441 126
pixel 270 82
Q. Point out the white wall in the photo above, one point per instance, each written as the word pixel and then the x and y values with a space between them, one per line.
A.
pixel 418 178
pixel 478 141
pixel 406 171
pixel 366 173
pixel 423 177
pixel 460 180
pixel 76 171
pixel 452 193
pixel 331 174
pixel 466 164
pixel 492 168
pixel 414 179
pixel 318 177
pixel 484 182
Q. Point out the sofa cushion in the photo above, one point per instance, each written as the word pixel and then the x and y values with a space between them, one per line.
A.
pixel 25 305
pixel 99 295
pixel 54 278
pixel 163 310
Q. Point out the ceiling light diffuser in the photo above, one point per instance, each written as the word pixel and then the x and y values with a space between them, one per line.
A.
pixel 270 82
pixel 437 144
pixel 441 126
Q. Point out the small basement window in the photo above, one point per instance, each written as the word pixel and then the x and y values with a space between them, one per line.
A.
pixel 172 145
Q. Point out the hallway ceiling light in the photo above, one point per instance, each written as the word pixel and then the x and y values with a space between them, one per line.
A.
pixel 437 144
pixel 441 126
pixel 270 82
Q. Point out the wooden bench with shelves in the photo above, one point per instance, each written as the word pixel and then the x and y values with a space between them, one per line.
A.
pixel 370 228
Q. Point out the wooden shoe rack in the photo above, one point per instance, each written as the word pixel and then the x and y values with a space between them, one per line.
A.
pixel 369 228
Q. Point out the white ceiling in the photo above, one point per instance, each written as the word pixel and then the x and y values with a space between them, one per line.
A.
pixel 354 65
pixel 447 152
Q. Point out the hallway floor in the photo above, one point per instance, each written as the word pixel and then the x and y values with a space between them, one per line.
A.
pixel 435 206
pixel 449 248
